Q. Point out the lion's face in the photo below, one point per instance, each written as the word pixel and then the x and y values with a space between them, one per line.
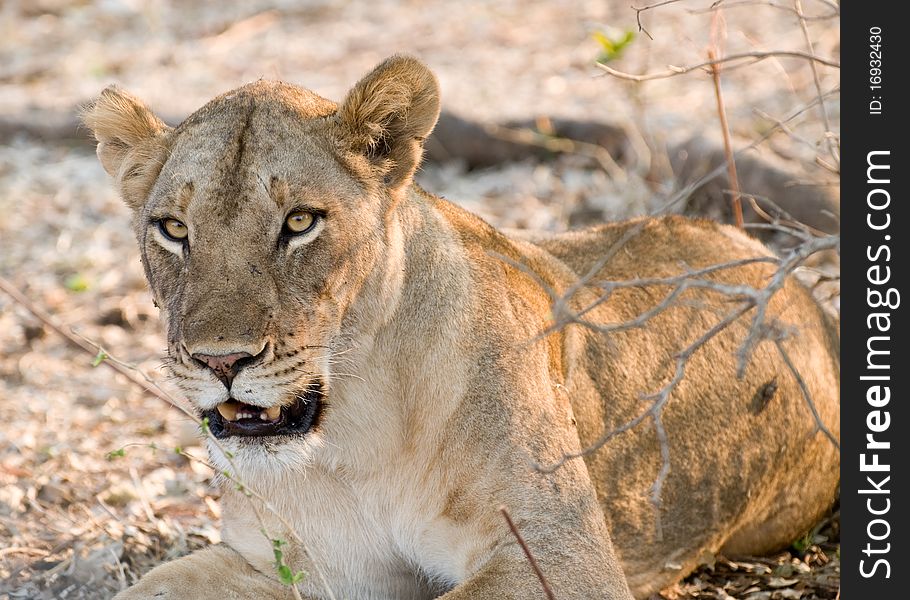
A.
pixel 262 223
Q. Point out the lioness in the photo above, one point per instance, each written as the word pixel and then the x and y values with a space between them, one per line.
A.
pixel 370 359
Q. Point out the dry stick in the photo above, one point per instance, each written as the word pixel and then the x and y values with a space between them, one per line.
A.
pixel 786 129
pixel 680 283
pixel 756 56
pixel 728 146
pixel 783 221
pixel 548 592
pixel 152 387
pixel 559 301
pixel 829 135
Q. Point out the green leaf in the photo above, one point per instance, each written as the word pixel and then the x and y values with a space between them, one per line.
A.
pixel 803 543
pixel 288 577
pixel 612 43
pixel 76 283
pixel 99 358
pixel 118 453
pixel 285 574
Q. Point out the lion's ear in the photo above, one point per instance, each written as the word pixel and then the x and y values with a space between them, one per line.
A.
pixel 132 142
pixel 389 114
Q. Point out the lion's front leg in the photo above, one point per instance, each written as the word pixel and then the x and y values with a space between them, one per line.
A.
pixel 509 576
pixel 216 573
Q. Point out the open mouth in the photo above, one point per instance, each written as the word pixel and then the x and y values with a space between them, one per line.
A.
pixel 234 418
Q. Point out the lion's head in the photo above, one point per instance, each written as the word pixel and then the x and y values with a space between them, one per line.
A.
pixel 262 225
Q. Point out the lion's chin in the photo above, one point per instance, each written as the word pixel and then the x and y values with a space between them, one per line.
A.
pixel 294 418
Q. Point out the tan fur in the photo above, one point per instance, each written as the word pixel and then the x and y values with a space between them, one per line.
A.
pixel 439 395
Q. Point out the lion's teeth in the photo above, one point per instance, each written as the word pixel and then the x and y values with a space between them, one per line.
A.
pixel 231 411
pixel 228 410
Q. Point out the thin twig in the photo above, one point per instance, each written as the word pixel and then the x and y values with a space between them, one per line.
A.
pixel 690 188
pixel 679 283
pixel 638 10
pixel 804 389
pixel 755 57
pixel 548 592
pixel 762 301
pixel 829 135
pixel 728 145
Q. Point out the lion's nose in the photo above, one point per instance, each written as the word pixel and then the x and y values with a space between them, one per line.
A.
pixel 225 366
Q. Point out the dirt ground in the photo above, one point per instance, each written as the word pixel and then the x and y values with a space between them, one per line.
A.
pixel 79 522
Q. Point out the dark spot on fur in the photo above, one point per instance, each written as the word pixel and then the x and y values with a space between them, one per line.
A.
pixel 254 269
pixel 763 396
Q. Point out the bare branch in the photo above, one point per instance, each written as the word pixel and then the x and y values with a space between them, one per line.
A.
pixel 148 386
pixel 690 188
pixel 763 297
pixel 638 10
pixel 804 389
pixel 750 57
pixel 680 283
pixel 829 135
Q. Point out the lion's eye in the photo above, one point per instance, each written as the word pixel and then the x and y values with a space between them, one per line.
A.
pixel 173 229
pixel 300 221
